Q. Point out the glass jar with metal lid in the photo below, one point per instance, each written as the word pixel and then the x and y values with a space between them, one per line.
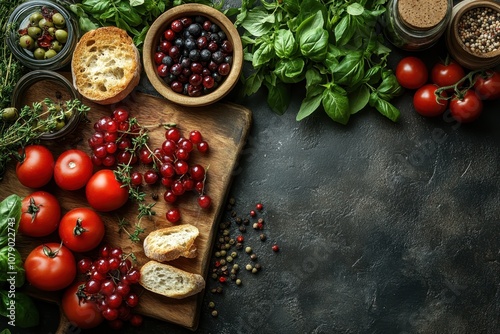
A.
pixel 32 32
pixel 416 24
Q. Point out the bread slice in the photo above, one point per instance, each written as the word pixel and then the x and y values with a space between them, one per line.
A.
pixel 170 243
pixel 170 281
pixel 106 65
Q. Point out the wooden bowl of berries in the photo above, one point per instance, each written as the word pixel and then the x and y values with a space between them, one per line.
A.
pixel 193 55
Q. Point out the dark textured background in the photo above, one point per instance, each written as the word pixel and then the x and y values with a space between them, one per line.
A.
pixel 383 227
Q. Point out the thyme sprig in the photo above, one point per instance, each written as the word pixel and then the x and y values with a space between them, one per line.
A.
pixel 33 121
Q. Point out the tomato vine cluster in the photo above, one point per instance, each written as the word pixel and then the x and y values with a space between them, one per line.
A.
pixel 122 141
pixel 450 88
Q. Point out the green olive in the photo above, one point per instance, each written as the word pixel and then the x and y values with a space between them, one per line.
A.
pixel 50 53
pixel 35 18
pixel 9 114
pixel 44 23
pixel 39 53
pixel 68 114
pixel 56 46
pixel 52 31
pixel 58 20
pixel 34 32
pixel 26 42
pixel 60 124
pixel 62 35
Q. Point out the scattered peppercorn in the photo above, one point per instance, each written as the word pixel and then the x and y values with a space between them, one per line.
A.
pixel 259 206
pixel 262 237
pixel 240 238
pixel 254 270
pixel 253 257
pixel 215 313
pixel 253 213
pixel 238 281
pixel 211 305
pixel 275 248
pixel 248 267
pixel 248 250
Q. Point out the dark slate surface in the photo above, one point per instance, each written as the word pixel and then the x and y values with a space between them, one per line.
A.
pixel 383 227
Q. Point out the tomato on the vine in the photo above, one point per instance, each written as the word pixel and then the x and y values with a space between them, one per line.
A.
pixel 467 108
pixel 488 87
pixel 37 166
pixel 81 229
pixel 411 72
pixel 427 103
pixel 73 169
pixel 104 192
pixel 84 314
pixel 446 73
pixel 50 267
pixel 40 214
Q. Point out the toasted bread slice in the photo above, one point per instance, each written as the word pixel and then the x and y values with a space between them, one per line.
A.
pixel 106 65
pixel 170 243
pixel 170 281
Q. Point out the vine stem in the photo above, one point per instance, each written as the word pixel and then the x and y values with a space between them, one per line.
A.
pixel 458 89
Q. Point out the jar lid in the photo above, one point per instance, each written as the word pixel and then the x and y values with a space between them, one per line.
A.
pixel 422 14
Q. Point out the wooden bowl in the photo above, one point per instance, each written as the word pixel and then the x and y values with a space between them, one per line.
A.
pixel 152 40
pixel 457 48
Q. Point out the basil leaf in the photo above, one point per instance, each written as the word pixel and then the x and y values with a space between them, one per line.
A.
pixel 309 105
pixel 336 104
pixel 313 38
pixel 279 98
pixel 290 70
pixel 358 99
pixel 292 6
pixel 252 83
pixel 10 213
pixel 135 3
pixel 384 107
pixel 351 69
pixel 284 43
pixel 355 9
pixel 26 313
pixel 258 22
pixel 313 78
pixel 11 261
pixel 263 54
pixel 389 87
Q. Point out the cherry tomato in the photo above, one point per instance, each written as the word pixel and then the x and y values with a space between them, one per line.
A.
pixel 488 88
pixel 411 73
pixel 40 214
pixel 104 192
pixel 81 229
pixel 446 74
pixel 73 169
pixel 37 167
pixel 466 109
pixel 50 267
pixel 427 103
pixel 81 313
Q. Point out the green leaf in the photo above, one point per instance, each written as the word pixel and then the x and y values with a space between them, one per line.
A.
pixel 284 43
pixel 279 98
pixel 263 54
pixel 313 38
pixel 308 106
pixel 336 104
pixel 10 213
pixel 11 262
pixel 290 70
pixel 252 83
pixel 313 78
pixel 258 22
pixel 384 107
pixel 26 313
pixel 358 99
pixel 351 70
pixel 135 3
pixel 355 9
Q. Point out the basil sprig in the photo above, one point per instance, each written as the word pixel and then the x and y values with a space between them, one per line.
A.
pixel 335 47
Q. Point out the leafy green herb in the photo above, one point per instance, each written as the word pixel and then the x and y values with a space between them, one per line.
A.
pixel 10 214
pixel 32 122
pixel 133 16
pixel 333 46
pixel 10 68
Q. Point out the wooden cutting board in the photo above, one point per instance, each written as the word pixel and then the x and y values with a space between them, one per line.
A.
pixel 225 127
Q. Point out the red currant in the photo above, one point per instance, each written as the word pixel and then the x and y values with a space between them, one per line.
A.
pixel 173 215
pixel 204 201
pixel 195 137
pixel 275 248
pixel 202 147
pixel 169 196
pixel 136 179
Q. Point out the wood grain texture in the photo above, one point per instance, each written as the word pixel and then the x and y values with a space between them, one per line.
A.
pixel 224 126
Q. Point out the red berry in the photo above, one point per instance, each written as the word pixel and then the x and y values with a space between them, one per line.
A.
pixel 275 248
pixel 195 137
pixel 173 215
pixel 204 201
pixel 136 320
pixel 202 146
pixel 253 213
pixel 259 206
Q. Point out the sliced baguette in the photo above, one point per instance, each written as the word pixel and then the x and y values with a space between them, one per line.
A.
pixel 106 65
pixel 170 281
pixel 170 243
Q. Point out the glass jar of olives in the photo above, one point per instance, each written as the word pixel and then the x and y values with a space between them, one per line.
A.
pixel 42 34
pixel 39 85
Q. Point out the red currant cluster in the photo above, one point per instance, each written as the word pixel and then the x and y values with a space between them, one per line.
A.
pixel 115 141
pixel 108 284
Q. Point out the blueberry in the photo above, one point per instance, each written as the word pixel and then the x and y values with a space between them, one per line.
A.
pixel 167 60
pixel 194 55
pixel 195 29
pixel 218 57
pixel 205 55
pixel 190 43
